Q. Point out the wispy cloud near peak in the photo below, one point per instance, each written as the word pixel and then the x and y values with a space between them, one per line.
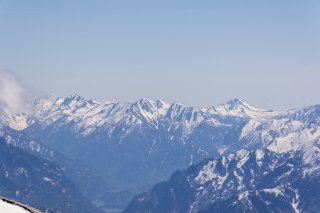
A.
pixel 14 92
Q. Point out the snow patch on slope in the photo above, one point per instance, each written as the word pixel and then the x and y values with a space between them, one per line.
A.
pixel 6 207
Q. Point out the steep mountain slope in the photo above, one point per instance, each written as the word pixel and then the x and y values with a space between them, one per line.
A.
pixel 245 181
pixel 38 182
pixel 298 129
pixel 15 121
pixel 85 178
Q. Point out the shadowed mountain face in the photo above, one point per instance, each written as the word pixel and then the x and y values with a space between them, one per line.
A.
pixel 38 182
pixel 84 177
pixel 245 181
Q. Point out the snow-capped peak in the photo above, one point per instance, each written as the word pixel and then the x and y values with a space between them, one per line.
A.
pixel 149 110
pixel 72 102
pixel 237 107
pixel 76 99
pixel 235 103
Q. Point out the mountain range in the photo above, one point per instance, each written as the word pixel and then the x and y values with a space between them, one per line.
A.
pixel 129 147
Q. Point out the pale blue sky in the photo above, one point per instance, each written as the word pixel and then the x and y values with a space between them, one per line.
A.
pixel 266 52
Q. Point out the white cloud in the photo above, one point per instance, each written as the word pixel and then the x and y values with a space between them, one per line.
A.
pixel 13 92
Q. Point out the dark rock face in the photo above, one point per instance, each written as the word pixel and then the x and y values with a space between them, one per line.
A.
pixel 245 181
pixel 38 183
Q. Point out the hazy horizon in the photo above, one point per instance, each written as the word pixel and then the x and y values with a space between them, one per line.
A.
pixel 201 54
